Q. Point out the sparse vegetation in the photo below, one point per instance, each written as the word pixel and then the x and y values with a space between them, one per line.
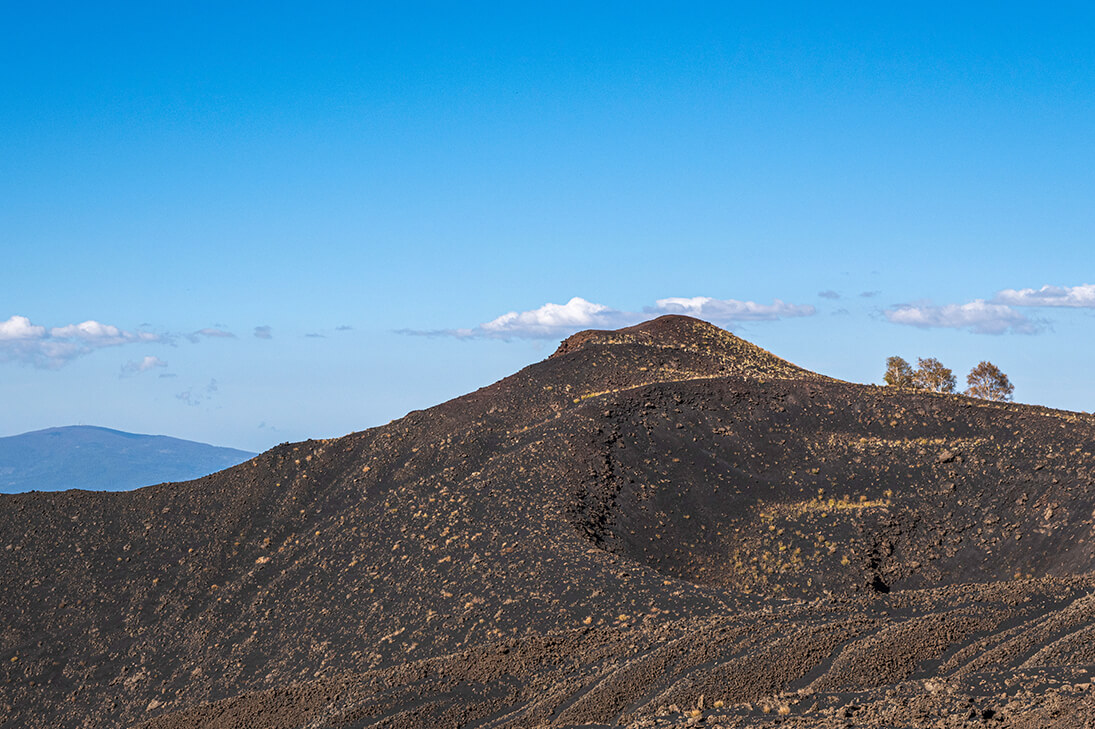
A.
pixel 930 374
pixel 899 373
pixel 986 381
pixel 933 376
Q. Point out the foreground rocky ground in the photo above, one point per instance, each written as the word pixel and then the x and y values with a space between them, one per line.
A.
pixel 660 526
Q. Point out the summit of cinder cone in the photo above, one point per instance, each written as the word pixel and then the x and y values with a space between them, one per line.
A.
pixel 696 347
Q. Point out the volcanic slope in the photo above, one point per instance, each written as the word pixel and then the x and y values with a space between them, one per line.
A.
pixel 653 525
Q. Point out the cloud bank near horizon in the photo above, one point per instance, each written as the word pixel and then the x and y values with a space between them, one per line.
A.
pixel 998 315
pixel 729 310
pixel 553 321
pixel 51 348
pixel 978 317
pixel 1077 297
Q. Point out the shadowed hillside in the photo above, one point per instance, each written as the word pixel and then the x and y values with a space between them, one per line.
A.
pixel 651 522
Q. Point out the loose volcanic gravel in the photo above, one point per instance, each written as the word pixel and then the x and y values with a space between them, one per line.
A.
pixel 661 526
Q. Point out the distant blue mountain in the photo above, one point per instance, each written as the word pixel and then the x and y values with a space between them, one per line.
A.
pixel 101 459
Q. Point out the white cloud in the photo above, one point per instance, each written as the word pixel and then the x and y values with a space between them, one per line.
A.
pixel 148 363
pixel 209 333
pixel 20 328
pixel 552 321
pixel 99 335
pixel 22 341
pixel 730 310
pixel 1068 296
pixel 87 330
pixel 978 316
pixel 264 332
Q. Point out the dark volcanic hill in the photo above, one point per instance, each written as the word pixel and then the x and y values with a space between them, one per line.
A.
pixel 89 457
pixel 656 526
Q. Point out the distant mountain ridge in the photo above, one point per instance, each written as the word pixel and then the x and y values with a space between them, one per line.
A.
pixel 102 459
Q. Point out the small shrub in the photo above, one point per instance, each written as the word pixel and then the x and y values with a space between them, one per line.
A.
pixel 898 372
pixel 932 375
pixel 986 381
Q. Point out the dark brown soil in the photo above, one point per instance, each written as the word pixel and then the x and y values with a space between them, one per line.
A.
pixel 659 526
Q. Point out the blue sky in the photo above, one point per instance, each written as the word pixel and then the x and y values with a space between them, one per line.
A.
pixel 838 184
